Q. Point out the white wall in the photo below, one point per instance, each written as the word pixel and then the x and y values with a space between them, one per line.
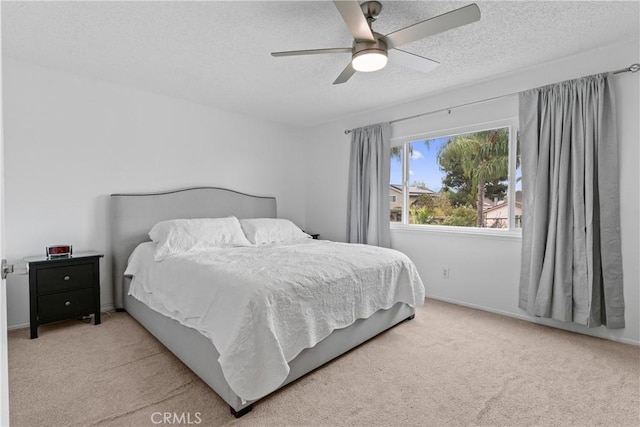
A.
pixel 107 138
pixel 70 141
pixel 484 270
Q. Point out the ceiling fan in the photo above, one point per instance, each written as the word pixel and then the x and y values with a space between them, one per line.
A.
pixel 371 50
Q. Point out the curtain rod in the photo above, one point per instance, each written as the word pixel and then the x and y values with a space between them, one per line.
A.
pixel 630 69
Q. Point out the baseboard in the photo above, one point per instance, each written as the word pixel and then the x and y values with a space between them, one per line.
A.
pixel 103 308
pixel 18 326
pixel 536 320
pixel 107 307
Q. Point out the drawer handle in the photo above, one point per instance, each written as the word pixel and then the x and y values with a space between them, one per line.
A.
pixel 68 303
pixel 67 277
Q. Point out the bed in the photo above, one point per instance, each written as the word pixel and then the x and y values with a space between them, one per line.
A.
pixel 133 215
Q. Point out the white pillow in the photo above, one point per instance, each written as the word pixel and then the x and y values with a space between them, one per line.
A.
pixel 260 231
pixel 176 236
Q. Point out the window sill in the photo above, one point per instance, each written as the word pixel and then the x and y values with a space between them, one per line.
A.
pixel 458 231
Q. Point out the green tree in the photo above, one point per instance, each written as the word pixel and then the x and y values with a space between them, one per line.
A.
pixel 443 206
pixel 455 179
pixel 463 190
pixel 480 158
pixel 396 152
pixel 419 184
pixel 424 201
pixel 421 215
pixel 431 208
pixel 422 209
pixel 463 216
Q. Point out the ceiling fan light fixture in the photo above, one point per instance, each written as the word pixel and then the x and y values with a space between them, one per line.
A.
pixel 369 60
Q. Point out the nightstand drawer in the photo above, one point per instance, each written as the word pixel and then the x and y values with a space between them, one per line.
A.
pixel 65 304
pixel 64 277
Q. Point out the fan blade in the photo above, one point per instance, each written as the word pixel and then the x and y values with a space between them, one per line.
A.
pixel 345 75
pixel 447 21
pixel 410 60
pixel 355 20
pixel 313 51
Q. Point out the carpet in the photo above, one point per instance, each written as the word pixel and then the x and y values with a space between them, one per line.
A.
pixel 450 366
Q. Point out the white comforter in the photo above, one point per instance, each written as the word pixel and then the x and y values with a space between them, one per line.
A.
pixel 261 306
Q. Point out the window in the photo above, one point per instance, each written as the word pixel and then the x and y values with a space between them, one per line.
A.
pixel 465 179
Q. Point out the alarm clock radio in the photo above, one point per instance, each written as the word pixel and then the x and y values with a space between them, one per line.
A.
pixel 59 251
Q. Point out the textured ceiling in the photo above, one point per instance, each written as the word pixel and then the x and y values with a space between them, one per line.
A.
pixel 218 53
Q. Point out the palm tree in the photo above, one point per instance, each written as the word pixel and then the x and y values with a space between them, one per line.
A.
pixel 396 152
pixel 484 157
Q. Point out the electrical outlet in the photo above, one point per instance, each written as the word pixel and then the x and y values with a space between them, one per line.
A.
pixel 445 272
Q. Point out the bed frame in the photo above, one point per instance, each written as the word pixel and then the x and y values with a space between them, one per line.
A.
pixel 133 215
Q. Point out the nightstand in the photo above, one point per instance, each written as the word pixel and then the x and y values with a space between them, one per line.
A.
pixel 63 288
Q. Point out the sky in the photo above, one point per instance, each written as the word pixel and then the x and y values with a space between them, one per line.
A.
pixel 423 165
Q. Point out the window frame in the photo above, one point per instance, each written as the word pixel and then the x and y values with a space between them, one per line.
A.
pixel 403 141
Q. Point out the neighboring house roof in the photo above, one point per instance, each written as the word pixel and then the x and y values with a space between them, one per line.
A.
pixel 501 205
pixel 488 203
pixel 413 191
pixel 417 191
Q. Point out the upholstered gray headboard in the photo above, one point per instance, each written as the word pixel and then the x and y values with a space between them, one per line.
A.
pixel 133 215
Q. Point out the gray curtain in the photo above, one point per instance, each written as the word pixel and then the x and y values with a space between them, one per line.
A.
pixel 571 254
pixel 368 208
